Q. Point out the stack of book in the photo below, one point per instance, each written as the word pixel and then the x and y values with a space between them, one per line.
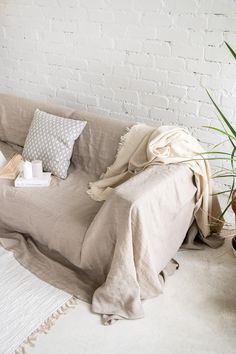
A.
pixel 12 169
pixel 43 181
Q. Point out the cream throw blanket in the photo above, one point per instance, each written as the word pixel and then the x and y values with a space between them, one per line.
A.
pixel 143 146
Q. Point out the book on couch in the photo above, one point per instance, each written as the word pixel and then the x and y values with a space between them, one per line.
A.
pixel 43 181
pixel 10 169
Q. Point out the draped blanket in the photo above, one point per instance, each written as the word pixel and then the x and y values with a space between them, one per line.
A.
pixel 144 146
pixel 116 253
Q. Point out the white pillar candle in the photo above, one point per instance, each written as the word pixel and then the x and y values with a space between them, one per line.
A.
pixel 3 161
pixel 37 168
pixel 27 170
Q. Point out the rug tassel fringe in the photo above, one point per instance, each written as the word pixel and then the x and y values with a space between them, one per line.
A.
pixel 47 325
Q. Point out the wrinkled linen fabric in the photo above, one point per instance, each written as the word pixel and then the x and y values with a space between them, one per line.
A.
pixel 112 254
pixel 144 146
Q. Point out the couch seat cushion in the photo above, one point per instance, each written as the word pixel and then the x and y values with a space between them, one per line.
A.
pixel 56 217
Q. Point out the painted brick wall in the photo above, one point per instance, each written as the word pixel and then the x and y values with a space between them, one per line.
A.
pixel 136 59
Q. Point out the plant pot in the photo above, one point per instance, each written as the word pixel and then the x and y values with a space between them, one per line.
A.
pixel 217 226
pixel 234 245
pixel 233 204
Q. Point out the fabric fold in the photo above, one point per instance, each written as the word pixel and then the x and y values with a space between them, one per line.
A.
pixel 145 146
pixel 117 253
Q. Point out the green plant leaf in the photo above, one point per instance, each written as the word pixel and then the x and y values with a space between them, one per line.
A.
pixel 231 190
pixel 229 131
pixel 222 171
pixel 232 142
pixel 222 142
pixel 220 131
pixel 232 157
pixel 224 211
pixel 218 193
pixel 222 124
pixel 231 50
pixel 210 158
pixel 222 116
pixel 215 152
pixel 232 165
pixel 223 176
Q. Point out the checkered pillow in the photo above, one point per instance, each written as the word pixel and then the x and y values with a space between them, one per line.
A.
pixel 51 139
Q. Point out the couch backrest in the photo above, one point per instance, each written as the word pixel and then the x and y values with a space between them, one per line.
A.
pixel 97 146
pixel 94 151
pixel 16 114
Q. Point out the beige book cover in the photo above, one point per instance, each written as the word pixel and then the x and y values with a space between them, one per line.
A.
pixel 10 169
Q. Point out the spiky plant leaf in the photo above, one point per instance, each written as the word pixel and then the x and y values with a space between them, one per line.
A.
pixel 220 131
pixel 231 50
pixel 231 128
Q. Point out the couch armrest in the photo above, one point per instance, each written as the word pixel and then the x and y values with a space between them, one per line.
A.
pixel 162 200
pixel 155 205
pixel 171 184
pixel 136 232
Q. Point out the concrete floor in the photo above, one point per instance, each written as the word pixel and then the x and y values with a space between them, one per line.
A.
pixel 195 315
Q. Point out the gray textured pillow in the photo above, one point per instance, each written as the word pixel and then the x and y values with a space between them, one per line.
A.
pixel 51 139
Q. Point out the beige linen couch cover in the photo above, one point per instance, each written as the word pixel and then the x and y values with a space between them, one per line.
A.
pixel 112 254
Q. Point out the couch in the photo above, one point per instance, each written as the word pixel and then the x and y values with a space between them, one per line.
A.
pixel 57 232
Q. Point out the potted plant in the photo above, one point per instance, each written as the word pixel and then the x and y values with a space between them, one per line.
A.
pixel 228 131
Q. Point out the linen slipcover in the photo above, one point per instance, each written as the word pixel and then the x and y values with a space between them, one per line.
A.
pixel 112 254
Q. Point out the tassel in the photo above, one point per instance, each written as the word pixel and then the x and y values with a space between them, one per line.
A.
pixel 46 325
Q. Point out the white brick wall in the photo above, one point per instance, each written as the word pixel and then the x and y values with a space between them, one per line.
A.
pixel 137 59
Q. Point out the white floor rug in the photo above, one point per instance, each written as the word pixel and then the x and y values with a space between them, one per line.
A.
pixel 25 303
pixel 195 315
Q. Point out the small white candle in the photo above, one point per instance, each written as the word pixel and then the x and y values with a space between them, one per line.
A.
pixel 37 168
pixel 27 170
